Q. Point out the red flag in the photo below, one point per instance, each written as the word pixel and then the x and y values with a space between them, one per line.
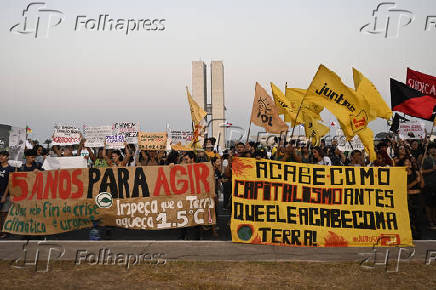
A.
pixel 411 102
pixel 419 81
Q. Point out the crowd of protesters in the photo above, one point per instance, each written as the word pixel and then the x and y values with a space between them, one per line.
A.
pixel 419 158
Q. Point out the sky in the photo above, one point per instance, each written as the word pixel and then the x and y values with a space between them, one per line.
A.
pixel 77 77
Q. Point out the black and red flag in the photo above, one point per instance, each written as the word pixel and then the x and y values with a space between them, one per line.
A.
pixel 411 102
pixel 422 82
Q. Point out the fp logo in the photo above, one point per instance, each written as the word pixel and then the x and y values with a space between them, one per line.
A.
pixel 387 21
pixel 37 20
pixel 37 255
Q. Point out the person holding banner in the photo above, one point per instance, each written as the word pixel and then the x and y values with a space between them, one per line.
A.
pixel 319 158
pixel 306 156
pixel 5 169
pixel 429 173
pixel 414 184
pixel 356 159
pixel 30 164
pixel 117 159
pixel 99 161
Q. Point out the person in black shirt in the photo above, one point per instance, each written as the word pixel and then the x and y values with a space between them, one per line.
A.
pixel 5 169
pixel 414 199
pixel 30 164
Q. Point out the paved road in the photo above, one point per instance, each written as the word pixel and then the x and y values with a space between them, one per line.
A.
pixel 208 251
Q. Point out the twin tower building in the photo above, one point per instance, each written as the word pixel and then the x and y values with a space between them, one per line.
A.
pixel 216 117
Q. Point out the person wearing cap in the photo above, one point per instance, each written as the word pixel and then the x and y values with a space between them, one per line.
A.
pixel 5 170
pixel 30 164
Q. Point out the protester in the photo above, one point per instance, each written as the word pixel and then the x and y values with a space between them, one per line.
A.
pixel 5 169
pixel 99 161
pixel 30 164
pixel 429 173
pixel 337 156
pixel 306 156
pixel 319 158
pixel 356 159
pixel 414 185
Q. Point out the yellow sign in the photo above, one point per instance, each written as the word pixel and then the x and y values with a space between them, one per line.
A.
pixel 296 204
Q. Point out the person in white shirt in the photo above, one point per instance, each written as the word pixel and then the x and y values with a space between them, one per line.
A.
pixel 319 158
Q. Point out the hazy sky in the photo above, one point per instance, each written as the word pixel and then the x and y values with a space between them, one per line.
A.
pixel 98 77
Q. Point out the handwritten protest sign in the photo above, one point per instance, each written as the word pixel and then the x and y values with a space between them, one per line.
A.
pixel 4 136
pixel 130 131
pixel 412 130
pixel 17 145
pixel 296 204
pixel 66 135
pixel 151 198
pixel 115 142
pixel 152 141
pixel 95 136
pixel 182 137
pixel 344 145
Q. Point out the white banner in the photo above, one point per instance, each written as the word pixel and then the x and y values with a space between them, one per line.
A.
pixel 412 130
pixel 95 136
pixel 182 137
pixel 128 129
pixel 52 163
pixel 66 135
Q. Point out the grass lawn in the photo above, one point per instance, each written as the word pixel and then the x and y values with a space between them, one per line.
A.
pixel 217 275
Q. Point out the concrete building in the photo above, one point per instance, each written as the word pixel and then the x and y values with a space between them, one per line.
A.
pixel 199 83
pixel 217 102
pixel 216 108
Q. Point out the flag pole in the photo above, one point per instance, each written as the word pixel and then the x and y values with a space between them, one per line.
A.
pixel 248 134
pixel 25 143
pixel 296 117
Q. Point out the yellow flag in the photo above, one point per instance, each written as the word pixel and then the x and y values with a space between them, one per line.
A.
pixel 327 90
pixel 313 128
pixel 367 137
pixel 296 96
pixel 264 112
pixel 284 106
pixel 366 88
pixel 197 113
pixel 279 99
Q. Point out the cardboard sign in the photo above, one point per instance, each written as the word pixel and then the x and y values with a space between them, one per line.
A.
pixel 96 136
pixel 152 141
pixel 66 135
pixel 130 131
pixel 297 204
pixel 148 198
